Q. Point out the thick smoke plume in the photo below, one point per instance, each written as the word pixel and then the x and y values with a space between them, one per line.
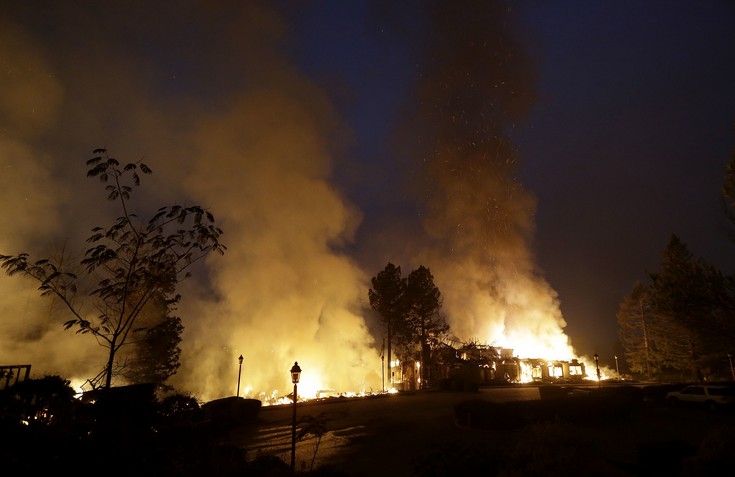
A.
pixel 210 100
pixel 474 84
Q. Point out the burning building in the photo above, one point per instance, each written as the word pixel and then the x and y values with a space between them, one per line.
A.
pixel 457 364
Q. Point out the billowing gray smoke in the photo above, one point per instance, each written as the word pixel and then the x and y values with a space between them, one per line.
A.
pixel 210 100
pixel 474 84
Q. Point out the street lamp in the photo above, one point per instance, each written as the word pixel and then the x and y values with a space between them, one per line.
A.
pixel 617 369
pixel 597 366
pixel 295 375
pixel 239 373
pixel 729 357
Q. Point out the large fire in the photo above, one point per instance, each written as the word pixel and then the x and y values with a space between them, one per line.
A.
pixel 497 366
pixel 265 153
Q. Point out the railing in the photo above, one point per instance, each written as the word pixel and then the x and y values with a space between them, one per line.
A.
pixel 8 372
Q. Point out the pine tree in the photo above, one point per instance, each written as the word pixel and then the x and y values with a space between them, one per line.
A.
pixel 425 323
pixel 633 320
pixel 682 294
pixel 387 299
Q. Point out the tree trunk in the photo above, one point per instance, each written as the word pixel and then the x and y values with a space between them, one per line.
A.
pixel 108 371
pixel 390 364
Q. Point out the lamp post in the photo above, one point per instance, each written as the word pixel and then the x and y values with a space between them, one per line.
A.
pixel 617 369
pixel 295 375
pixel 597 366
pixel 239 373
pixel 729 357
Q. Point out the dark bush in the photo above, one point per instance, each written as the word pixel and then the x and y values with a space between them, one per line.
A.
pixel 227 413
pixel 45 401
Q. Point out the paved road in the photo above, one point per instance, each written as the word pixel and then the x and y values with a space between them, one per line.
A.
pixel 370 435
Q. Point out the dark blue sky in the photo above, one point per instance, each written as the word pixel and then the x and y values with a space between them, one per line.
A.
pixel 627 144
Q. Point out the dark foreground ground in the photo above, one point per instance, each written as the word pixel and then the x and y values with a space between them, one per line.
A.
pixel 443 433
pixel 509 431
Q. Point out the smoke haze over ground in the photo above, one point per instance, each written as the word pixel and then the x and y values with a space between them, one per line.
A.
pixel 321 160
pixel 224 121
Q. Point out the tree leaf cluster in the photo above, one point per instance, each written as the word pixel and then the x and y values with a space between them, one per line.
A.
pixel 410 310
pixel 681 324
pixel 129 267
pixel 683 320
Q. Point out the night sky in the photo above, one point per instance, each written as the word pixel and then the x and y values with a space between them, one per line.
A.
pixel 537 158
pixel 625 144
